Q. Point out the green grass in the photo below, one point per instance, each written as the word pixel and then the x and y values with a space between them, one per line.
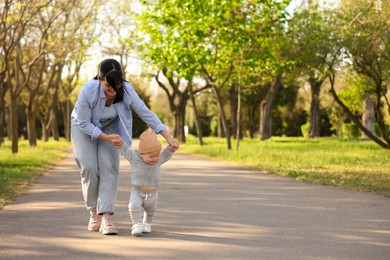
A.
pixel 352 164
pixel 18 171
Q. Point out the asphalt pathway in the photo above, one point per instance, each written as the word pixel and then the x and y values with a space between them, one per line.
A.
pixel 207 210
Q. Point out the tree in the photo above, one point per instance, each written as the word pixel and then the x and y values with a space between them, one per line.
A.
pixel 360 90
pixel 78 34
pixel 205 39
pixel 275 60
pixel 366 40
pixel 312 37
pixel 16 70
pixel 39 82
pixel 178 95
pixel 65 24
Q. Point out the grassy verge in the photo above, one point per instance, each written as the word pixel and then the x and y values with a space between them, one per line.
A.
pixel 19 171
pixel 353 164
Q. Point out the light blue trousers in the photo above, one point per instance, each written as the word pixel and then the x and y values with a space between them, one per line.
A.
pixel 99 164
pixel 142 205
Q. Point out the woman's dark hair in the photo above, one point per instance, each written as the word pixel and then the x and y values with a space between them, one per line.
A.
pixel 111 71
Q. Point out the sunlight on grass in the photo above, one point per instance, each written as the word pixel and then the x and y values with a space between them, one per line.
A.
pixel 353 164
pixel 19 171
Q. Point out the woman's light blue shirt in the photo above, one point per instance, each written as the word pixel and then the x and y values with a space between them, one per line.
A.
pixel 90 106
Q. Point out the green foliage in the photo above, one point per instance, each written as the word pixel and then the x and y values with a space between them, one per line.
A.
pixel 312 40
pixel 358 87
pixel 305 130
pixel 378 131
pixel 287 118
pixel 205 124
pixel 349 130
pixel 139 125
pixel 191 37
pixel 353 164
pixel 19 171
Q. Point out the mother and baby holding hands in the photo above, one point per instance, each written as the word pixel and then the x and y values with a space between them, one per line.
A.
pixel 101 130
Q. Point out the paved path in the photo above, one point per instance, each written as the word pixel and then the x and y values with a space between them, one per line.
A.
pixel 207 210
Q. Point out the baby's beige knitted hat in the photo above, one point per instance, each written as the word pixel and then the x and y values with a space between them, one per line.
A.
pixel 148 142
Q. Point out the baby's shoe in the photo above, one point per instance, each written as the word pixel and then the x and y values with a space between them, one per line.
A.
pixel 94 221
pixel 107 227
pixel 146 228
pixel 137 229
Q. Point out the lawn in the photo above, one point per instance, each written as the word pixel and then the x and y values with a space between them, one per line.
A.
pixel 353 164
pixel 18 171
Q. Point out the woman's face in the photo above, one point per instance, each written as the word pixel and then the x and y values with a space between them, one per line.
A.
pixel 108 90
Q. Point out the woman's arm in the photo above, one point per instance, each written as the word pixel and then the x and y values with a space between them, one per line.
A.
pixel 173 143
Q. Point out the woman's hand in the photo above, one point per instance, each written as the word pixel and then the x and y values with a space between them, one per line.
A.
pixel 116 140
pixel 174 145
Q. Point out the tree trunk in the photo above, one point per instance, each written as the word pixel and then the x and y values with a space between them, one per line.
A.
pixel 314 129
pixel 67 115
pixel 2 122
pixel 220 132
pixel 51 116
pixel 31 117
pixel 378 110
pixel 369 115
pixel 14 124
pixel 179 119
pixel 52 126
pixel 54 129
pixel 177 103
pixel 31 127
pixel 265 109
pixel 196 115
pixel 14 115
pixel 3 90
pixel 43 126
pixel 223 117
pixel 47 126
pixel 233 108
pixel 238 130
pixel 252 125
pixel 182 108
pixel 8 125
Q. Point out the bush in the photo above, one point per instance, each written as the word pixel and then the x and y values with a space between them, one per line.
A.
pixel 305 130
pixel 349 130
pixel 378 131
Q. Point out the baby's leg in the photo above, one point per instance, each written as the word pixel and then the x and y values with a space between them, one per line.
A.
pixel 135 206
pixel 150 206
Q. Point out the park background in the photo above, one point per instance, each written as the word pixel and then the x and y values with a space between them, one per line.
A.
pixel 265 83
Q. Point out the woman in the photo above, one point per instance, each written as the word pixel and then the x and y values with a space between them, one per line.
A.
pixel 103 113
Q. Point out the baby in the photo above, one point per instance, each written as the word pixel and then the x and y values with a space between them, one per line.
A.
pixel 145 179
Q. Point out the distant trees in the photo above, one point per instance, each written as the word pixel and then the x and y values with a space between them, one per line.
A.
pixel 225 43
pixel 43 46
pixel 248 67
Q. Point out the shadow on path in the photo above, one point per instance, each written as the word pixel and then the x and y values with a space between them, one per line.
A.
pixel 207 210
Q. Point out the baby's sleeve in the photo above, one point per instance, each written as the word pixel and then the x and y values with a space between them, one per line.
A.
pixel 166 154
pixel 127 152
